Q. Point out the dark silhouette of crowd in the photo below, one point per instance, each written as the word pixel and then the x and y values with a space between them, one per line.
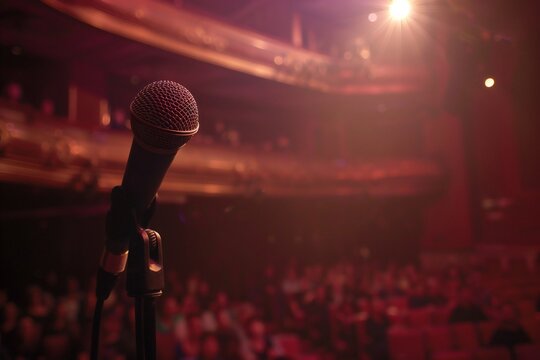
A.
pixel 341 311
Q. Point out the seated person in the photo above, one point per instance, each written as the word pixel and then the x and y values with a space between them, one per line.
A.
pixel 509 331
pixel 466 309
pixel 377 325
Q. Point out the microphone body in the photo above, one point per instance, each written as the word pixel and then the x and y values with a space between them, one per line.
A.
pixel 164 117
pixel 143 175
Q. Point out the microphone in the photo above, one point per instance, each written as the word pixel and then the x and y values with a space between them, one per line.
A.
pixel 164 117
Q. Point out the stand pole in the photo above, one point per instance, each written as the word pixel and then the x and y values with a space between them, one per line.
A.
pixel 139 329
pixel 145 279
pixel 145 282
pixel 149 321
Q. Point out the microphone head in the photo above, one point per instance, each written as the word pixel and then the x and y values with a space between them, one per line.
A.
pixel 164 117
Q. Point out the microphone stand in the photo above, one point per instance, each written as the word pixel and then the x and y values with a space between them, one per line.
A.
pixel 145 279
pixel 145 282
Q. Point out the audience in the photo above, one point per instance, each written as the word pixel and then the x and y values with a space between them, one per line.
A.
pixel 260 344
pixel 15 107
pixel 377 325
pixel 210 349
pixel 509 331
pixel 466 309
pixel 322 306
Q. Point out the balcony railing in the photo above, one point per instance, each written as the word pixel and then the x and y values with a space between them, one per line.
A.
pixel 205 39
pixel 52 154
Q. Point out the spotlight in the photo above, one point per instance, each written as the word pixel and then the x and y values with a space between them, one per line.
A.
pixel 400 9
pixel 489 82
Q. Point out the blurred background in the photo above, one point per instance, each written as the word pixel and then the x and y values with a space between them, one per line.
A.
pixel 364 183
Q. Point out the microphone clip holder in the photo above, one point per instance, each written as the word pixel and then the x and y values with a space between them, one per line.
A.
pixel 145 265
pixel 145 282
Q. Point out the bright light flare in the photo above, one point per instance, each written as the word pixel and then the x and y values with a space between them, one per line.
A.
pixel 400 9
pixel 489 82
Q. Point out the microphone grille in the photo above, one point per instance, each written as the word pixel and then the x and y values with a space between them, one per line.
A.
pixel 164 116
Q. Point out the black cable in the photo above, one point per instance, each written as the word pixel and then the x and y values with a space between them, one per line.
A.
pixel 96 324
pixel 105 283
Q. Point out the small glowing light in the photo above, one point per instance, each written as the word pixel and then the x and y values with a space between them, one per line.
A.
pixel 105 119
pixel 365 54
pixel 278 60
pixel 260 44
pixel 372 17
pixel 489 82
pixel 400 9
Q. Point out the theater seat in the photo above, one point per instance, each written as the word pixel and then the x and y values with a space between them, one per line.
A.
pixel 400 302
pixel 532 327
pixel 440 315
pixel 310 357
pixel 465 336
pixel 406 344
pixel 495 353
pixel 290 345
pixel 438 339
pixel 527 309
pixel 167 346
pixel 453 355
pixel 419 317
pixel 528 352
pixel 486 330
